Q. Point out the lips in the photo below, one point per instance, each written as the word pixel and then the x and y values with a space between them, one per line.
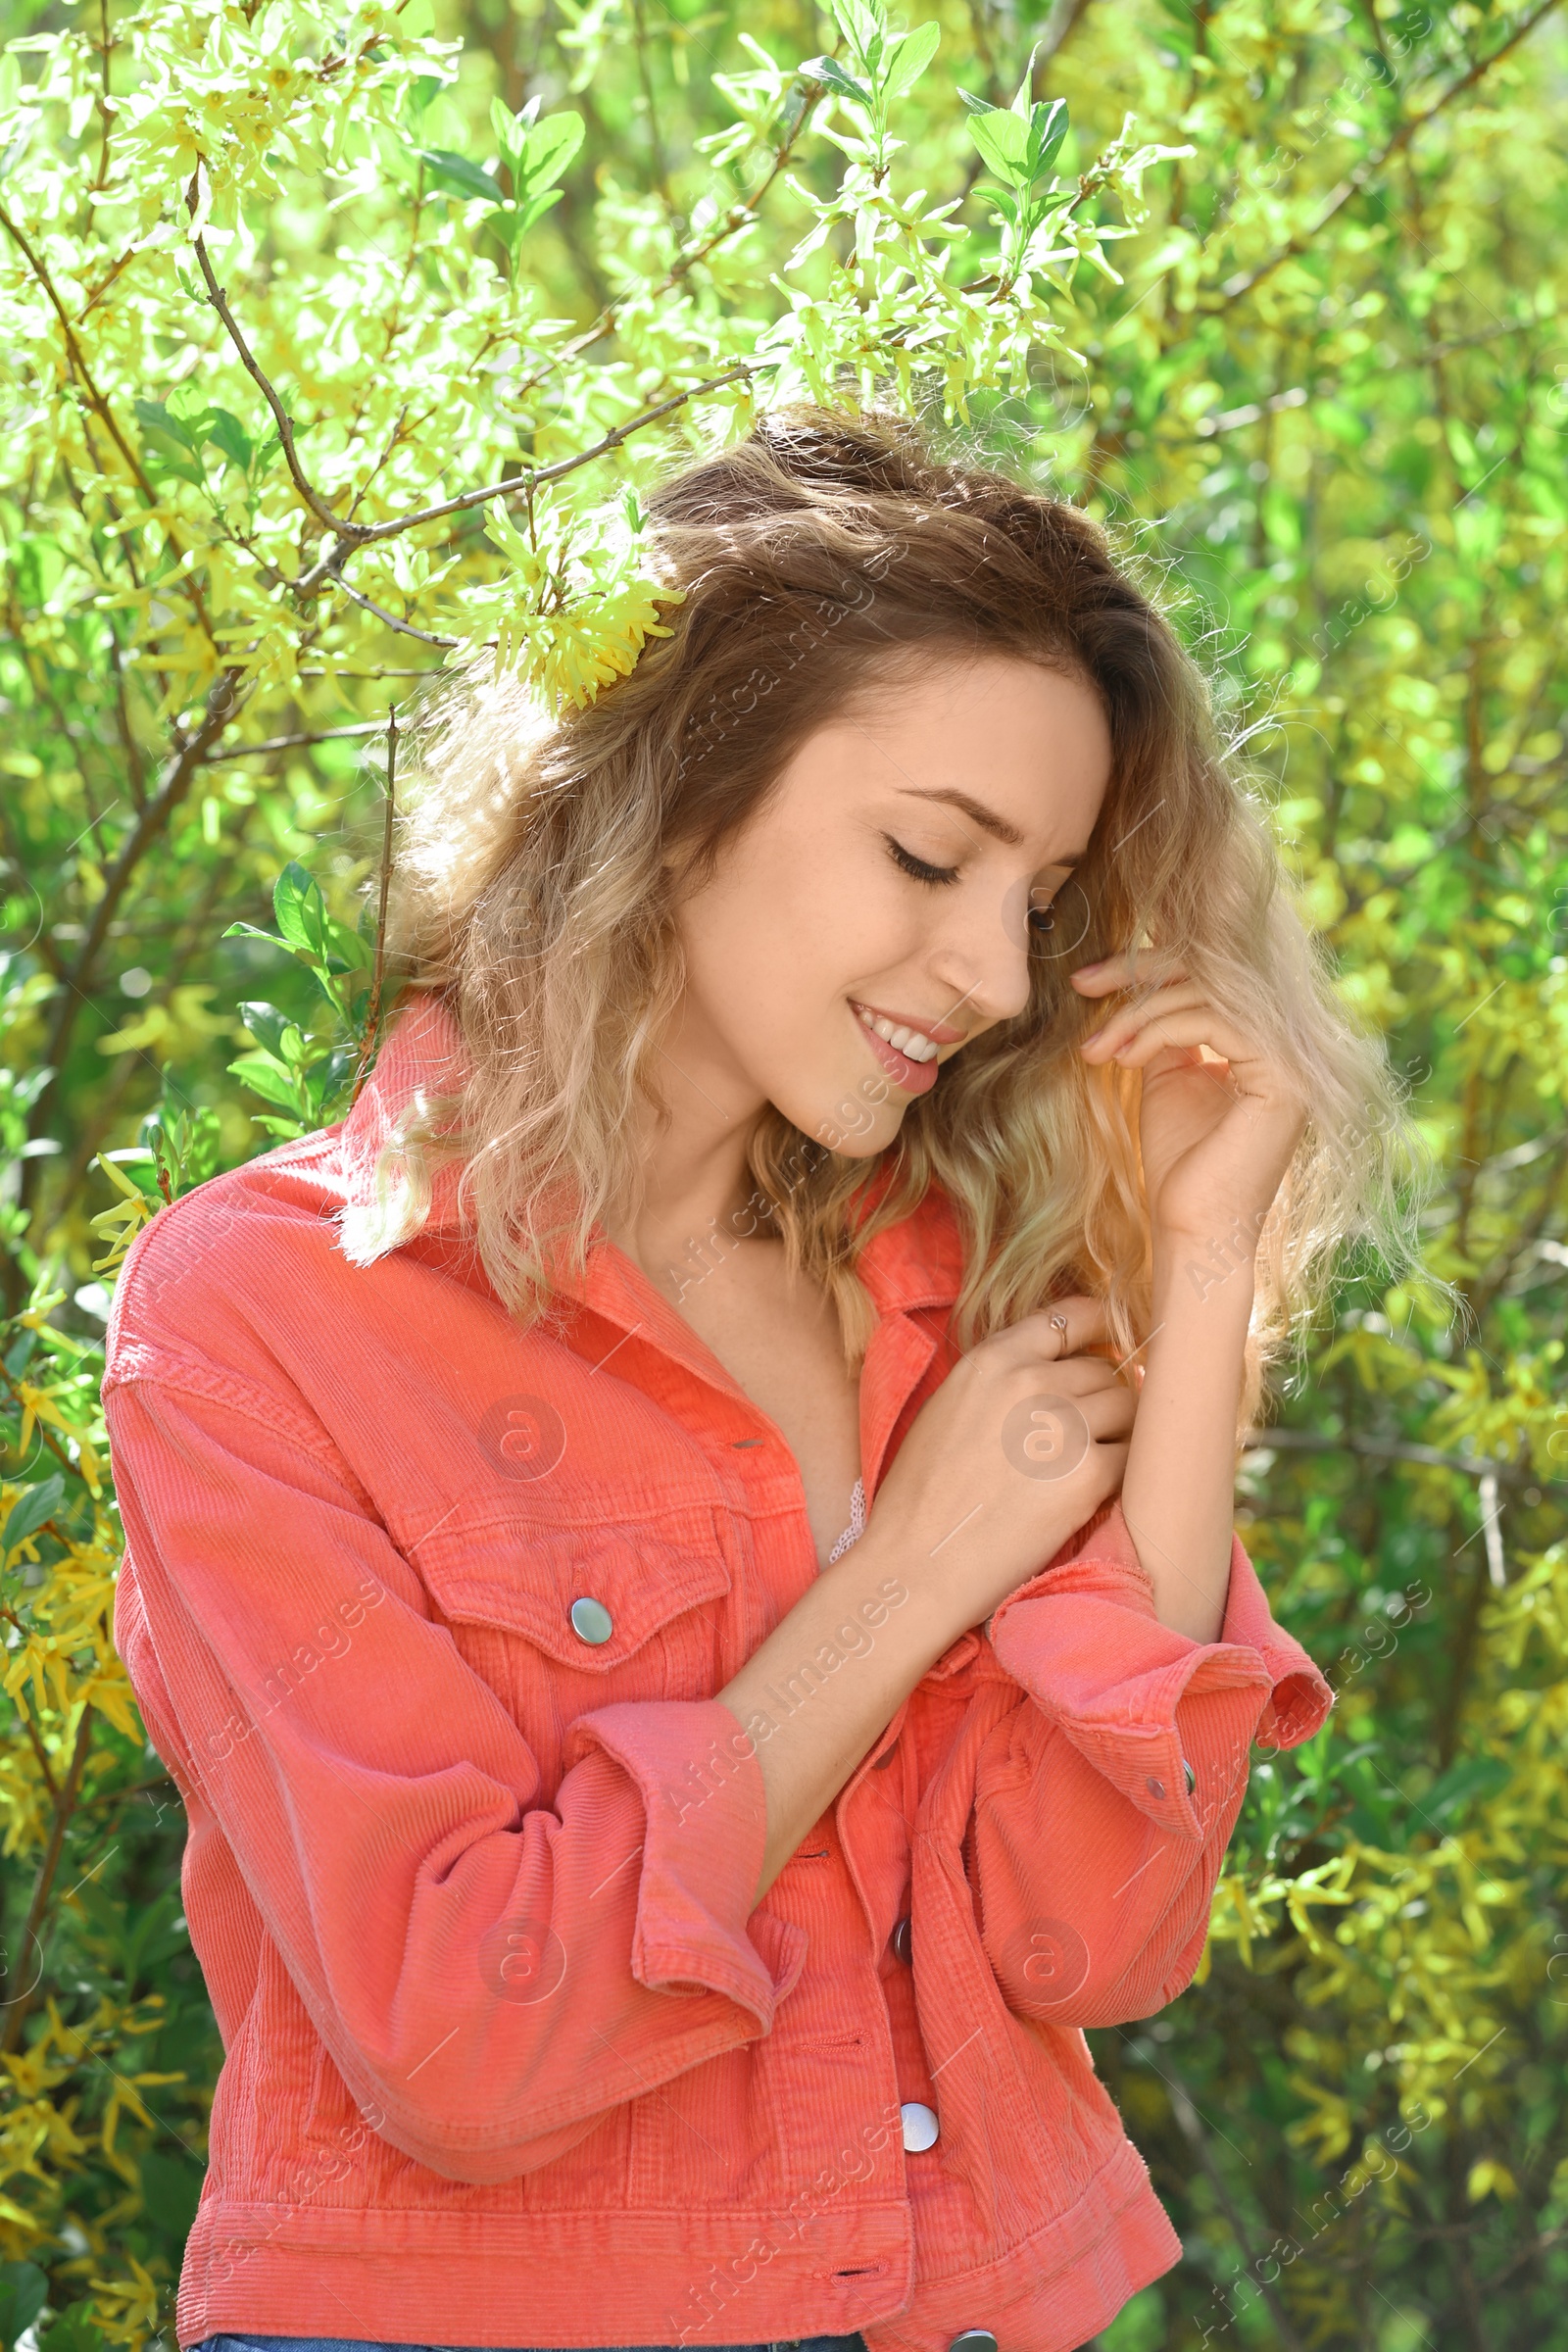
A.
pixel 914 1077
pixel 940 1032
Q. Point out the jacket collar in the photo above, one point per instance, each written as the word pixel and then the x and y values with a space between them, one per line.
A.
pixel 917 1263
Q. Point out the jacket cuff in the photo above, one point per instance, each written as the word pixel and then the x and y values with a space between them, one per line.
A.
pixel 1085 1642
pixel 706 1814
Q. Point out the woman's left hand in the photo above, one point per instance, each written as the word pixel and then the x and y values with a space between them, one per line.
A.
pixel 1215 1137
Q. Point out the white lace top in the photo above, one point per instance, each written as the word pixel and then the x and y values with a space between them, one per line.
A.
pixel 855 1528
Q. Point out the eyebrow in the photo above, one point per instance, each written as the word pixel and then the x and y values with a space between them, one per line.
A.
pixel 986 818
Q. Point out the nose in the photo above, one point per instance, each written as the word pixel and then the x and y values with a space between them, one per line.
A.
pixel 980 959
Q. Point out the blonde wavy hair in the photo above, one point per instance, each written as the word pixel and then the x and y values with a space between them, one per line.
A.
pixel 541 859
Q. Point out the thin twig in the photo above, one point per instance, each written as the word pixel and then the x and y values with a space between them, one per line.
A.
pixel 319 507
pixel 1197 2138
pixel 519 485
pixel 221 705
pixel 367 604
pixel 1398 1449
pixel 1354 181
pixel 63 1808
pixel 372 1010
pixel 42 1755
pixel 101 408
pixel 294 743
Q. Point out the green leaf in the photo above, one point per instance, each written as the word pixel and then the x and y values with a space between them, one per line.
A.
pixel 859 25
pixel 167 445
pixel 1002 140
pixel 301 912
pixel 170 2189
pixel 266 1078
pixel 456 175
pixel 510 135
pixel 535 208
pixel 550 148
pixel 827 70
pixel 1048 126
pixel 75 2331
pixel 333 1074
pixel 18 148
pixel 348 949
pixel 22 2289
pixel 154 418
pixel 974 105
pixel 228 435
pixel 913 55
pixel 25 1518
pixel 267 1025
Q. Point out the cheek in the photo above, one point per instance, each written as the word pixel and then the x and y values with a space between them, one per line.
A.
pixel 775 945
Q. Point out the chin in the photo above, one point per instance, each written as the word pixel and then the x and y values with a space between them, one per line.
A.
pixel 843 1120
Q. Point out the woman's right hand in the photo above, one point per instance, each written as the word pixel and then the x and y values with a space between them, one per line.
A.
pixel 1024 1440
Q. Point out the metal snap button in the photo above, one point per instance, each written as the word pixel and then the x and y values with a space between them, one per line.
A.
pixel 591 1621
pixel 1192 1777
pixel 974 2339
pixel 920 2125
pixel 1155 1787
pixel 901 1942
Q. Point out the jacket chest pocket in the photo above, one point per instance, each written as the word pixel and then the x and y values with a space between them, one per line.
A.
pixel 563 1615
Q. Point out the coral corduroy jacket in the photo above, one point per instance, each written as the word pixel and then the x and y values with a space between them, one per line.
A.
pixel 510 2057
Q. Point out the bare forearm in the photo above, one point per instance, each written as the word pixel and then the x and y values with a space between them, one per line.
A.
pixel 1178 1497
pixel 829 1679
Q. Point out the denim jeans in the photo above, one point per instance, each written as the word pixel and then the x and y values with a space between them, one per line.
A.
pixel 339 2343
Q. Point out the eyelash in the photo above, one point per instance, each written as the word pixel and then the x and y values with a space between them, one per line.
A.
pixel 923 873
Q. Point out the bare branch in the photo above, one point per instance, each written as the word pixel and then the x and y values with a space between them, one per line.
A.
pixel 519 484
pixel 405 628
pixel 65 1806
pixel 319 507
pixel 223 704
pixel 1400 1449
pixel 294 743
pixel 372 1010
pixel 104 413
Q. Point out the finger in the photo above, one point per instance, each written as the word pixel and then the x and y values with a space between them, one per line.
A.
pixel 1063 1329
pixel 1110 1411
pixel 1133 968
pixel 1124 1024
pixel 1186 1029
pixel 1112 1463
pixel 1060 1329
pixel 1080 1376
pixel 1180 1020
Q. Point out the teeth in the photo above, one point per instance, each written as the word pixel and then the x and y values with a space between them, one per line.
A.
pixel 914 1043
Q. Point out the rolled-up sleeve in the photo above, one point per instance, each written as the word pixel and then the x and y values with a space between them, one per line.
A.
pixel 490 1973
pixel 1105 1801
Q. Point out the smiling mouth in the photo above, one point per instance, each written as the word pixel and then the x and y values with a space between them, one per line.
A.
pixel 919 1040
pixel 912 1065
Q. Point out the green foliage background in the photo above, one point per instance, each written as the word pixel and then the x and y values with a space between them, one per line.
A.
pixel 274 284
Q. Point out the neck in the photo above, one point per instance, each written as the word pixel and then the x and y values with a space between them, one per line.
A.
pixel 695 1173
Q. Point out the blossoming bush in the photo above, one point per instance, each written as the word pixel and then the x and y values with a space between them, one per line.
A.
pixel 339 343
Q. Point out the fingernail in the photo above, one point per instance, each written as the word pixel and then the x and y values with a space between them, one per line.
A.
pixel 1088 968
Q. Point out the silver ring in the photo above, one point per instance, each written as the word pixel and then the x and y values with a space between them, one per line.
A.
pixel 1059 1322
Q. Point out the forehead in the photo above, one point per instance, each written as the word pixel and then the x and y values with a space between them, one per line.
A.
pixel 1007 747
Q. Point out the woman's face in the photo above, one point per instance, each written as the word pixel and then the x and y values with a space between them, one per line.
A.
pixel 889 877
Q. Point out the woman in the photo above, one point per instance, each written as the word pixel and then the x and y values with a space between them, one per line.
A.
pixel 680 1556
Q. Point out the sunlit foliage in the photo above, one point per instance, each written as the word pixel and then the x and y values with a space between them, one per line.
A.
pixel 334 342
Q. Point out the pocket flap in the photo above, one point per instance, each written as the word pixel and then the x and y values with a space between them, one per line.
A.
pixel 522 1574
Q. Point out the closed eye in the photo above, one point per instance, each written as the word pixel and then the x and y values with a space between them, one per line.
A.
pixel 917 866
